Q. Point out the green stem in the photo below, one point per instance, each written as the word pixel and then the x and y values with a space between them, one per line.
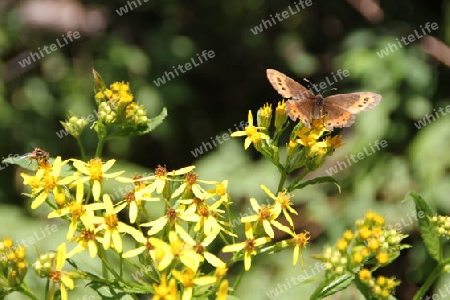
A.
pixel 431 279
pixel 24 290
pixel 238 278
pixel 282 180
pixel 99 150
pixel 82 151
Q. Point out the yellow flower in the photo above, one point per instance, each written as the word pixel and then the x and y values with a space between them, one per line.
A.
pixel 46 182
pixel 58 276
pixel 249 246
pixel 282 203
pixel 382 258
pixel 172 217
pixel 190 184
pixel 200 247
pixel 96 171
pixel 223 290
pixel 159 251
pixel 252 133
pixel 280 115
pixel 299 241
pixel 160 178
pixel 111 225
pixel 134 198
pixel 209 215
pixel 266 215
pixel 184 252
pixel 164 291
pixel 365 275
pixel 265 116
pixel 76 209
pixel 87 239
pixel 188 280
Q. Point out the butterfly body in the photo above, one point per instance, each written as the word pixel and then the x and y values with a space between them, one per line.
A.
pixel 306 106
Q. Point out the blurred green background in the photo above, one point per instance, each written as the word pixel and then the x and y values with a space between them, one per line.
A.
pixel 212 98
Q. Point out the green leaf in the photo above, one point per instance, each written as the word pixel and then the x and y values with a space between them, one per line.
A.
pixel 153 123
pixel 317 180
pixel 430 237
pixel 332 286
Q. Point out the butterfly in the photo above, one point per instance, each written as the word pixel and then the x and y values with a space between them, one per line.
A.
pixel 340 109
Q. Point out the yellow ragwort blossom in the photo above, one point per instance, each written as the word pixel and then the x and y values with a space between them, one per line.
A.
pixel 282 203
pixel 164 291
pixel 188 279
pixel 249 246
pixel 252 133
pixel 58 276
pixel 173 216
pixel 47 181
pixel 266 216
pixel 110 225
pixel 95 171
pixel 200 247
pixel 76 209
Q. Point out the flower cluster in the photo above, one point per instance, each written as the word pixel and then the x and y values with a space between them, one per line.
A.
pixel 380 287
pixel 372 243
pixel 168 225
pixel 442 224
pixel 307 147
pixel 13 265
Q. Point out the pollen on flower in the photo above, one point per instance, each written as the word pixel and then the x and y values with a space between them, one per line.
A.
pixel 55 276
pixel 265 213
pixel 149 246
pixel 199 248
pixel 87 235
pixel 76 209
pixel 302 239
pixel 160 171
pixel 95 169
pixel 191 178
pixel 250 244
pixel 111 220
pixel 203 211
pixel 129 197
pixel 171 214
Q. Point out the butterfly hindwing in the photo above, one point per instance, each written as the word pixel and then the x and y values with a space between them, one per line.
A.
pixel 337 116
pixel 300 109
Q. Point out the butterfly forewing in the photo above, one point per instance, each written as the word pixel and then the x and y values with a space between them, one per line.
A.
pixel 355 102
pixel 288 87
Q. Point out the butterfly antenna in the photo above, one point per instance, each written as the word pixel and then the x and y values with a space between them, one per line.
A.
pixel 332 89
